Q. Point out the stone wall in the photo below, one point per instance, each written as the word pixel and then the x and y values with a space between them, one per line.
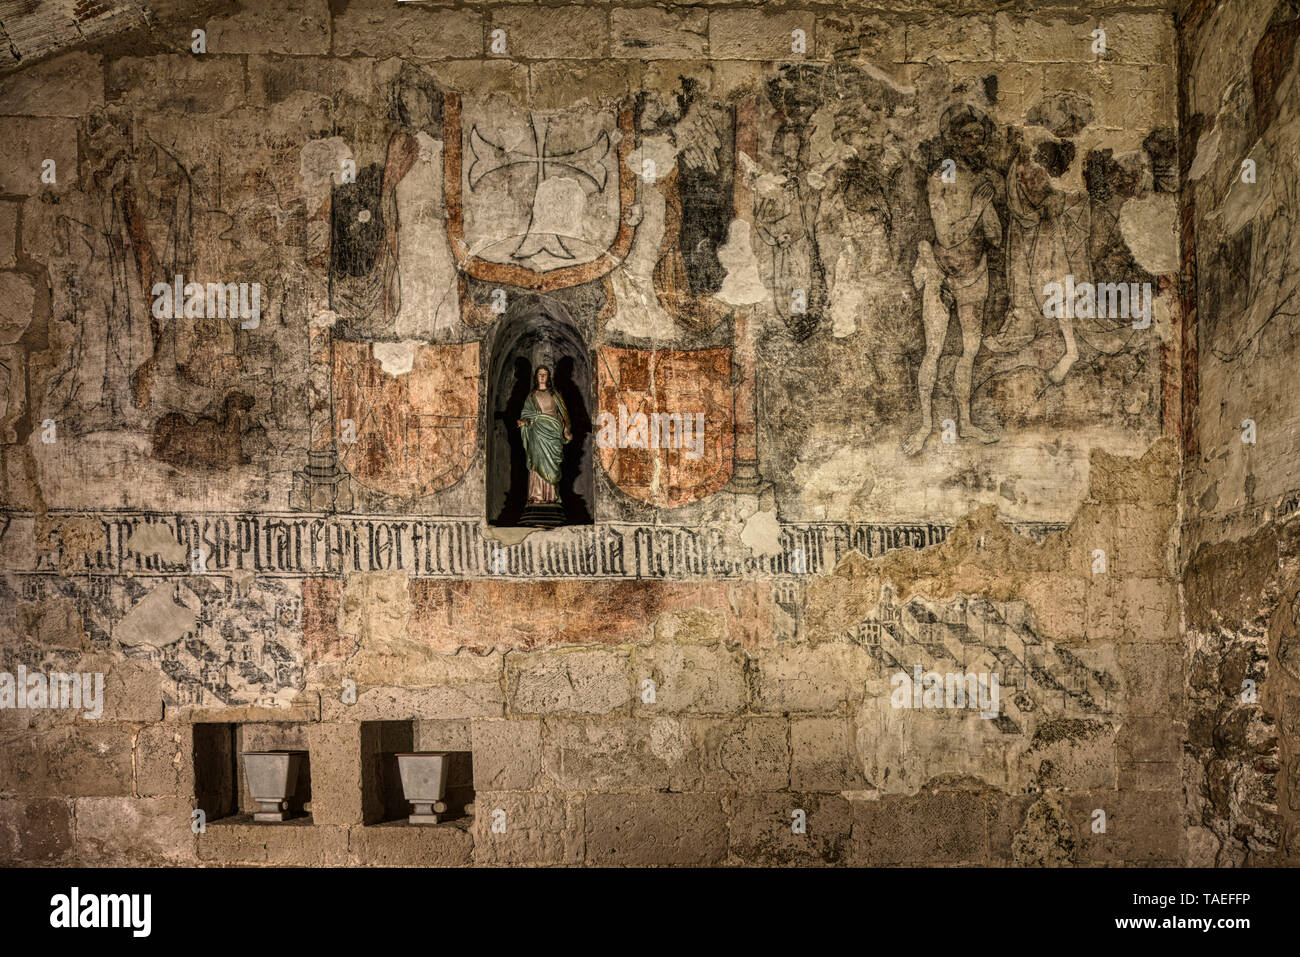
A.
pixel 1242 481
pixel 824 230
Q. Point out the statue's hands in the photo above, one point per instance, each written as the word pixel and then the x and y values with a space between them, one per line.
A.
pixel 567 435
pixel 519 422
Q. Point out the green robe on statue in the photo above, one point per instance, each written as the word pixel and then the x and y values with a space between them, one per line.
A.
pixel 543 437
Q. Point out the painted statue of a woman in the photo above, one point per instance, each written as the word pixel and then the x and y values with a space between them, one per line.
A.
pixel 544 428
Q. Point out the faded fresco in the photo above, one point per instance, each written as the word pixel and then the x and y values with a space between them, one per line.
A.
pixel 494 388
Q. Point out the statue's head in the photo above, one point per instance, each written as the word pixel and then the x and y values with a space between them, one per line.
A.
pixel 542 377
pixel 967 131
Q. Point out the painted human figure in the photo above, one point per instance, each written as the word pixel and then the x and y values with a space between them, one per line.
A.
pixel 953 271
pixel 544 429
pixel 1048 240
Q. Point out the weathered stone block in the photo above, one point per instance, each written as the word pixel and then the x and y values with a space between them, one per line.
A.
pixel 762 829
pixel 177 83
pixel 620 754
pixel 8 234
pixel 84 760
pixel 377 29
pixel 1139 38
pixel 661 828
pixel 578 681
pixel 563 84
pixel 35 830
pixel 690 679
pixel 812 677
pixel 67 85
pixel 939 829
pixel 969 39
pixel 25 144
pixel 443 735
pixel 296 26
pixel 398 844
pixel 116 831
pixel 1036 41
pixel 1151 738
pixel 512 827
pixel 753 35
pixel 336 780
pixel 844 34
pixel 742 754
pixel 536 33
pixel 647 33
pixel 292 844
pixel 823 755
pixel 164 760
pixel 1141 827
pixel 18 295
pixel 507 754
pixel 471 699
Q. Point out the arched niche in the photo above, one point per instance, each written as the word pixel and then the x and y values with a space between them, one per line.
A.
pixel 533 329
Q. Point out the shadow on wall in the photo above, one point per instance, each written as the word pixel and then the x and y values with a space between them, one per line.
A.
pixel 537 331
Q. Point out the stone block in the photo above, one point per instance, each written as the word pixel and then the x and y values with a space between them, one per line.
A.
pixel 690 679
pixel 378 29
pixel 537 33
pixel 620 754
pixel 507 754
pixel 578 681
pixel 935 830
pixel 513 827
pixel 67 85
pixel 647 33
pixel 747 34
pixel 299 27
pixel 762 830
pixel 26 142
pixel 812 677
pixel 750 753
pixel 398 844
pixel 35 830
pixel 659 828
pixel 823 755
pixel 164 760
pixel 122 831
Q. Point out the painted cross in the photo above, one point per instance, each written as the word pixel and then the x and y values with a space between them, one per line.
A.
pixel 556 191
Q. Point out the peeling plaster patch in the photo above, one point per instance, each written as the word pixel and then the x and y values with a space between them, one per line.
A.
pixel 155 620
pixel 1150 227
pixel 396 358
pixel 1244 201
pixel 506 535
pixel 1207 151
pixel 376 607
pixel 763 533
pixel 742 286
pixel 160 540
pixel 876 73
pixel 429 300
pixel 842 482
pixel 79 538
pixel 321 164
pixel 639 312
pixel 763 183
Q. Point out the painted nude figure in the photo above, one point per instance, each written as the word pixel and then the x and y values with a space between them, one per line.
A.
pixel 544 428
pixel 953 272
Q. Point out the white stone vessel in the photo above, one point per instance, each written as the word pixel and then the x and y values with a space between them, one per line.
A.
pixel 272 778
pixel 424 784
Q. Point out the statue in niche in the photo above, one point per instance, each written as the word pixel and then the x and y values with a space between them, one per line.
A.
pixel 544 429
